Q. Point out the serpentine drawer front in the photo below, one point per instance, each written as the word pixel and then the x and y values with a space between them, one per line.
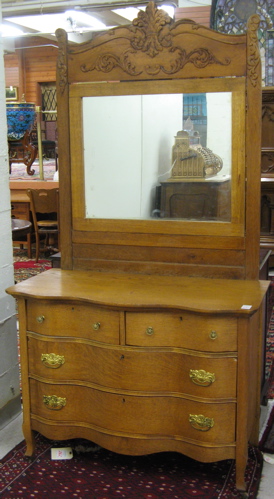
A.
pixel 135 414
pixel 77 320
pixel 186 330
pixel 132 368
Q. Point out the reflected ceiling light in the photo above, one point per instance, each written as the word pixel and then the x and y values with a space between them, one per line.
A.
pixel 71 20
pixel 128 13
pixel 131 13
pixel 84 19
pixel 169 9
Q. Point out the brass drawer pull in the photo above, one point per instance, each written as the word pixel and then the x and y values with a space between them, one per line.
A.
pixel 52 360
pixel 40 318
pixel 200 422
pixel 213 335
pixel 149 331
pixel 54 403
pixel 201 377
pixel 96 326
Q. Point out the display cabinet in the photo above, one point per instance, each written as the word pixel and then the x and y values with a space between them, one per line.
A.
pixel 148 338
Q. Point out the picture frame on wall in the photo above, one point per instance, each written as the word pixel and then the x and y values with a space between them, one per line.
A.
pixel 11 93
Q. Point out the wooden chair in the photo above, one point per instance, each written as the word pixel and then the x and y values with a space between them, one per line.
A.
pixel 44 205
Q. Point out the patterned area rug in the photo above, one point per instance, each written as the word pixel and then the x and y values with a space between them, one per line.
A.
pixel 25 268
pixel 19 170
pixel 95 473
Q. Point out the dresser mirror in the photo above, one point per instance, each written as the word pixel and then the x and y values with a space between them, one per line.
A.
pixel 126 156
pixel 128 146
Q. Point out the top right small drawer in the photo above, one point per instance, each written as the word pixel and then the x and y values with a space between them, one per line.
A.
pixel 192 331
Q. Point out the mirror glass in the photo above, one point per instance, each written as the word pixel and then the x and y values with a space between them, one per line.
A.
pixel 158 156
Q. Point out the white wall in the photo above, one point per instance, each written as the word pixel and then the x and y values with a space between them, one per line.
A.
pixel 9 370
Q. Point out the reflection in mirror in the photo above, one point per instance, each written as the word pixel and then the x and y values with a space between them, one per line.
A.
pixel 144 159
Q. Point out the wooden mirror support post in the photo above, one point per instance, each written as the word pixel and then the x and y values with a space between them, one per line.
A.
pixel 151 316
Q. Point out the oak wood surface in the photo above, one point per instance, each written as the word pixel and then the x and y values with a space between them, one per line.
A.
pixel 116 412
pixel 119 368
pixel 132 291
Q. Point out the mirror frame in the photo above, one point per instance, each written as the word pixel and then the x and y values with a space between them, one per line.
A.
pixel 79 220
pixel 156 55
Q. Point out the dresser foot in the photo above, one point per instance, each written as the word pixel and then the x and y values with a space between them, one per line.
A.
pixel 30 442
pixel 241 486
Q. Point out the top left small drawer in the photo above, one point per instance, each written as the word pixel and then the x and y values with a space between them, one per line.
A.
pixel 73 320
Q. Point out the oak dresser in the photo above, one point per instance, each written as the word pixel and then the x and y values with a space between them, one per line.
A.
pixel 149 336
pixel 142 364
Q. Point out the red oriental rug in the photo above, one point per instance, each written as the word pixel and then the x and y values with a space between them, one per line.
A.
pixel 96 473
pixel 25 268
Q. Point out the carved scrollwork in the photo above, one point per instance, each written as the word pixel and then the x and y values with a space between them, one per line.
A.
pixel 267 163
pixel 253 50
pixel 151 34
pixel 61 61
pixel 268 112
pixel 268 97
pixel 107 62
pixel 200 58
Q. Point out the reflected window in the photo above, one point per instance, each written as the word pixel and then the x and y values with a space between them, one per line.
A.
pixel 195 109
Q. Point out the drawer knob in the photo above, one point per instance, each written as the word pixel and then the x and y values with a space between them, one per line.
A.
pixel 200 422
pixel 149 331
pixel 201 377
pixel 52 360
pixel 96 326
pixel 54 403
pixel 40 318
pixel 213 335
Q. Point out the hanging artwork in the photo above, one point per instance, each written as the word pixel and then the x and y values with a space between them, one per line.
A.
pixel 230 16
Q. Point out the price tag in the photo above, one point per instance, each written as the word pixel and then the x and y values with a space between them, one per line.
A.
pixel 61 453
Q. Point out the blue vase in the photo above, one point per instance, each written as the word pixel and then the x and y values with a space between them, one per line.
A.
pixel 20 118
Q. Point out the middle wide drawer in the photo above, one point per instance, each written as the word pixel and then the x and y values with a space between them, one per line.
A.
pixel 128 368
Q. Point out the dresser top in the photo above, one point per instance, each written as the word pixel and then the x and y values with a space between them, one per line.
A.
pixel 134 291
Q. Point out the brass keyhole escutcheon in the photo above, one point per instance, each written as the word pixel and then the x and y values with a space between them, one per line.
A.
pixel 213 335
pixel 40 318
pixel 149 331
pixel 96 326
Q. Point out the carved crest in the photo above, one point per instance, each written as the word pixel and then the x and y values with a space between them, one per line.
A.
pixel 150 34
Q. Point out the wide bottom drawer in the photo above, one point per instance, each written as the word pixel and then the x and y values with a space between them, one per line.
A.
pixel 135 414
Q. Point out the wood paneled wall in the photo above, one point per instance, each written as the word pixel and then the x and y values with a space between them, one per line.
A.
pixel 200 15
pixel 32 63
